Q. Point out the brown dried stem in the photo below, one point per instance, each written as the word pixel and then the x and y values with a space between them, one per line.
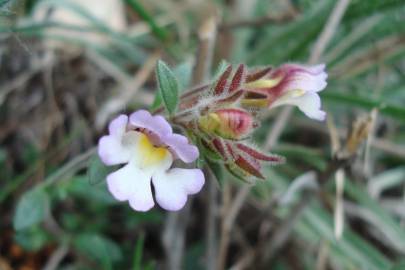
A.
pixel 176 224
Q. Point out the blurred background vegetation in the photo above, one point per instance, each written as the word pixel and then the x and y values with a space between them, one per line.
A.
pixel 67 67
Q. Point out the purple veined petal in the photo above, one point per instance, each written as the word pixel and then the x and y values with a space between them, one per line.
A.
pixel 173 187
pixel 306 81
pixel 291 68
pixel 131 184
pixel 181 147
pixel 156 124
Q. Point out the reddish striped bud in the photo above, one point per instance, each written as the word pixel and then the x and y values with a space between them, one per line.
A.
pixel 227 123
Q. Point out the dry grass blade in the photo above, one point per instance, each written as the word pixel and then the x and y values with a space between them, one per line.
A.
pixel 128 88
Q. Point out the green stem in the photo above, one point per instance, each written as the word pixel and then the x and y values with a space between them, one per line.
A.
pixel 141 11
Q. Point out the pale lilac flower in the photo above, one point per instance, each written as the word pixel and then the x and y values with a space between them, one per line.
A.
pixel 147 146
pixel 293 84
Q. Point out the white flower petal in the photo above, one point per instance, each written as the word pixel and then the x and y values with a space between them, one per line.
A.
pixel 117 147
pixel 308 82
pixel 172 187
pixel 132 184
pixel 310 104
pixel 115 150
pixel 118 125
pixel 111 151
pixel 316 69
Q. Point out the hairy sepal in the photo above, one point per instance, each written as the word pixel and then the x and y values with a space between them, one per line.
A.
pixel 256 154
pixel 220 86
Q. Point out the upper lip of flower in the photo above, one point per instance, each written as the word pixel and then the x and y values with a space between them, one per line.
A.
pixel 161 131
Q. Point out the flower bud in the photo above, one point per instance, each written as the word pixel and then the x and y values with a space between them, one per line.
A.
pixel 231 124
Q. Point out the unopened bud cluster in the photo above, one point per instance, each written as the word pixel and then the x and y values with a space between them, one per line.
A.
pixel 222 115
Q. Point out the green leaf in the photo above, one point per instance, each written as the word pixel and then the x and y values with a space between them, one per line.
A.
pixel 32 239
pixel 79 187
pixel 97 171
pixel 385 180
pixel 138 253
pixel 301 153
pixel 350 252
pixel 378 217
pixel 359 8
pixel 157 102
pixel 366 103
pixel 217 170
pixel 168 86
pixel 103 250
pixel 356 251
pixel 183 73
pixel 276 46
pixel 149 19
pixel 3 155
pixel 399 266
pixel 31 209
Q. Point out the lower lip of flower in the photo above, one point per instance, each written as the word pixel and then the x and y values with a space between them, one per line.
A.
pixel 151 155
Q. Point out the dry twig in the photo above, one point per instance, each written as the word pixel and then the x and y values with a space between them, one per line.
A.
pixel 129 88
pixel 176 224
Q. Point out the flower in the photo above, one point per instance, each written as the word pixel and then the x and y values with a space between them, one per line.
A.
pixel 291 84
pixel 147 146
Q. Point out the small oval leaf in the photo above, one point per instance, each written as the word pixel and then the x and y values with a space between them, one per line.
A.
pixel 31 209
pixel 168 86
pixel 99 248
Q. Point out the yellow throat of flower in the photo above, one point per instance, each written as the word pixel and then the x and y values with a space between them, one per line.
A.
pixel 259 85
pixel 263 83
pixel 151 155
